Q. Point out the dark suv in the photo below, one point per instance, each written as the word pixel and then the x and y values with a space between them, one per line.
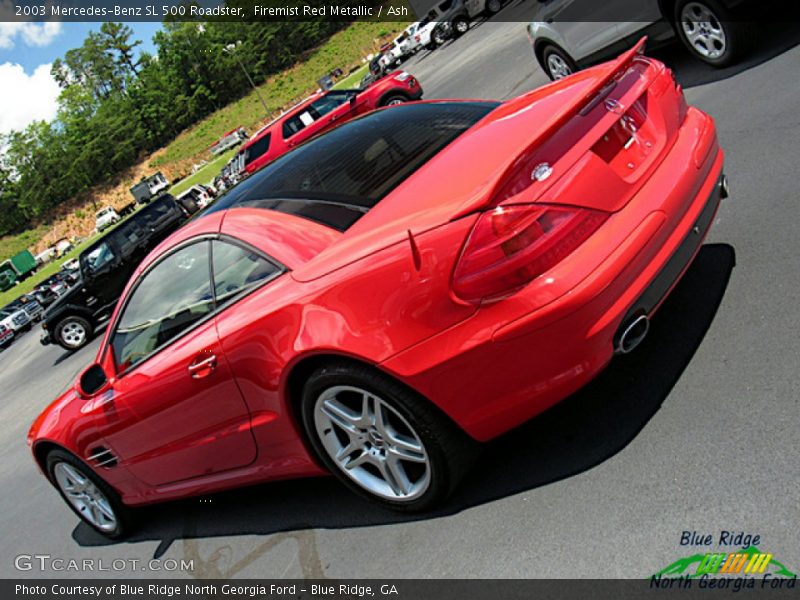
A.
pixel 105 268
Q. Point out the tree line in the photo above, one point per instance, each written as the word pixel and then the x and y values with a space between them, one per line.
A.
pixel 117 102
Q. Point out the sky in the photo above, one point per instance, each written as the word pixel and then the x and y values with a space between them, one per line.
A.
pixel 27 50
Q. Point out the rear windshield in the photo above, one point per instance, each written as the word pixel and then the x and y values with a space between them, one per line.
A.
pixel 337 177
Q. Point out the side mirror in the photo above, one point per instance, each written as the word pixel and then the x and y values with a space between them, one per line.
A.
pixel 353 100
pixel 93 381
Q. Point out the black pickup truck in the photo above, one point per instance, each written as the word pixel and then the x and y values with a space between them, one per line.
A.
pixel 105 268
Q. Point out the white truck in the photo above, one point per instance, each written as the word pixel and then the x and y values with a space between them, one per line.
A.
pixel 106 217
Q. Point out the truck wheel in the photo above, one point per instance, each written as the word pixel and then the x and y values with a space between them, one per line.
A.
pixel 494 6
pixel 73 332
pixel 461 25
pixel 710 32
pixel 394 100
pixel 557 63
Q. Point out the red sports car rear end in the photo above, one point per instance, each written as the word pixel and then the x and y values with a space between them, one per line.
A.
pixel 576 245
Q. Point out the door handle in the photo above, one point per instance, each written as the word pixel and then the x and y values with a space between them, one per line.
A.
pixel 203 366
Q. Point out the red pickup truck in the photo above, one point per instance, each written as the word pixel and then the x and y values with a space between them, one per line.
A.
pixel 323 111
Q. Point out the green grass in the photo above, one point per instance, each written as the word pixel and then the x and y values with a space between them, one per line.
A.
pixel 11 245
pixel 204 175
pixel 353 80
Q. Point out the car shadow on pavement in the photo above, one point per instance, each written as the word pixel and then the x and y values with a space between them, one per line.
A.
pixel 576 435
pixel 772 40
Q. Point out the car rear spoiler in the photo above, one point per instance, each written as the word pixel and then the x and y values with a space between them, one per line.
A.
pixel 603 82
pixel 611 69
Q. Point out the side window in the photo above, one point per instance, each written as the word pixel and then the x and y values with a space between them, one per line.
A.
pixel 128 236
pixel 237 269
pixel 258 148
pixel 329 102
pixel 97 258
pixel 171 297
pixel 299 122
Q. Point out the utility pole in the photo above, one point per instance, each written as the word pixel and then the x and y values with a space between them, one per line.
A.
pixel 231 49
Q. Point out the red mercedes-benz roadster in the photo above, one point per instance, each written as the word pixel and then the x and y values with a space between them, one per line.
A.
pixel 381 299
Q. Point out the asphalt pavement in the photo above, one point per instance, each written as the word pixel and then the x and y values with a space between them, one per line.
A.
pixel 695 431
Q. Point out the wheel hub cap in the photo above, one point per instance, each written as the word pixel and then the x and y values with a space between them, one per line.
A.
pixel 73 334
pixel 558 67
pixel 85 496
pixel 371 443
pixel 703 30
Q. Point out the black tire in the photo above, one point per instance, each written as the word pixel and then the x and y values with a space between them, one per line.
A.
pixel 738 36
pixel 441 33
pixel 123 514
pixel 394 99
pixel 460 26
pixel 552 54
pixel 449 450
pixel 493 6
pixel 61 336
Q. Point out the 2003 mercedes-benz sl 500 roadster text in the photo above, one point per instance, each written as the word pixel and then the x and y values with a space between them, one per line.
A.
pixel 381 299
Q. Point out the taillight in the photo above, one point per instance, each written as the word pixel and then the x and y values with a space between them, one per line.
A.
pixel 509 246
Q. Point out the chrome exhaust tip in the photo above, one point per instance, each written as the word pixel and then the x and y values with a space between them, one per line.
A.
pixel 723 187
pixel 633 334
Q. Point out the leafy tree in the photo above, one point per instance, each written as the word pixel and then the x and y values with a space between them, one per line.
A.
pixel 117 103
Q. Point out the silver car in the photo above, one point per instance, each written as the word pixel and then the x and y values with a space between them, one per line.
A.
pixel 570 34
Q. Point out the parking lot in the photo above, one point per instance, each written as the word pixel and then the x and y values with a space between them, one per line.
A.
pixel 696 430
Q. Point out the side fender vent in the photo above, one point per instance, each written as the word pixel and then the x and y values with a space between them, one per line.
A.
pixel 102 457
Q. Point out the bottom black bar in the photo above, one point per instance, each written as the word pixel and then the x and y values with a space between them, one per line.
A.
pixel 400 589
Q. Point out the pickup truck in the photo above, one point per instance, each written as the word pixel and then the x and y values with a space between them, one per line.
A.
pixel 105 268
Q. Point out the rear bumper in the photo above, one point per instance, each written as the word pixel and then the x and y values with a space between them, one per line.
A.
pixel 513 359
pixel 680 260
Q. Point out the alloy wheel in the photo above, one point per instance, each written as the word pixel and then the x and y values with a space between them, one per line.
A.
pixel 90 502
pixel 371 443
pixel 558 67
pixel 703 30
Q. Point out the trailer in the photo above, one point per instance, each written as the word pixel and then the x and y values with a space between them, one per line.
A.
pixel 232 138
pixel 149 187
pixel 24 264
pixel 18 267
